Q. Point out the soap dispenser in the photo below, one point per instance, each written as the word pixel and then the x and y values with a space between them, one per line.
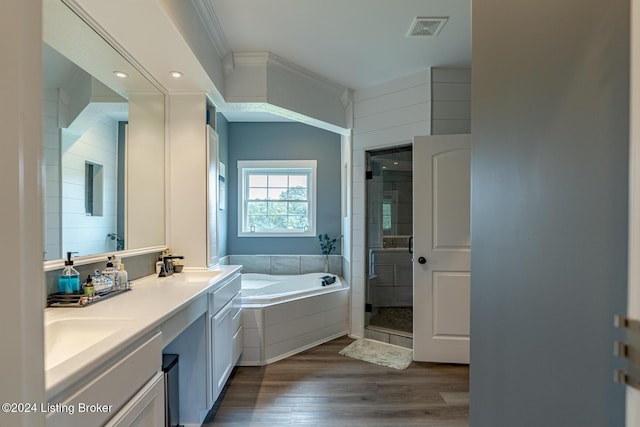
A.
pixel 69 279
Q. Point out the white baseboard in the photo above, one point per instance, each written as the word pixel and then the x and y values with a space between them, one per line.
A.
pixel 306 347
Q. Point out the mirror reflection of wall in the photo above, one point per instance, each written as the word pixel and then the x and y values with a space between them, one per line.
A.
pixel 97 148
pixel 83 125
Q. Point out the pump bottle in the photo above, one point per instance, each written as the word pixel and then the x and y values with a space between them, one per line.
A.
pixel 69 279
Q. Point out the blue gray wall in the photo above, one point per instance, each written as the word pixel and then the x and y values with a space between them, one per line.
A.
pixel 285 141
pixel 222 128
pixel 549 211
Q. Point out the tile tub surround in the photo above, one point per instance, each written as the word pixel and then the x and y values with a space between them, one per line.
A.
pixel 287 264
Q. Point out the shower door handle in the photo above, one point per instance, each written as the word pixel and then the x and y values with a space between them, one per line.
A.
pixel 410 244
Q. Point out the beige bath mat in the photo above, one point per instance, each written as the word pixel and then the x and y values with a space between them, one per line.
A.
pixel 379 353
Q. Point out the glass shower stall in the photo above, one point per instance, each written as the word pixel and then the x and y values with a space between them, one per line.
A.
pixel 389 214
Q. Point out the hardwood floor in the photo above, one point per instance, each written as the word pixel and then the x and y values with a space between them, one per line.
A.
pixel 321 388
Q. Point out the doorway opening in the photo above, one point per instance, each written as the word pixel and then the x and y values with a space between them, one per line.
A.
pixel 389 216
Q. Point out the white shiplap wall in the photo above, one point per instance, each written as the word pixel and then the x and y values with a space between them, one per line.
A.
pixel 51 174
pixel 450 101
pixel 385 115
pixel 82 233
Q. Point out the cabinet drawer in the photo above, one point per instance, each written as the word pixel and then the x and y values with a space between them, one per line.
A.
pixel 146 408
pixel 221 296
pixel 111 389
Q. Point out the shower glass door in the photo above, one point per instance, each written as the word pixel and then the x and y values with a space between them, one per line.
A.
pixel 389 230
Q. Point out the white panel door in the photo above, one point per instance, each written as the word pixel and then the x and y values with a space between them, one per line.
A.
pixel 441 248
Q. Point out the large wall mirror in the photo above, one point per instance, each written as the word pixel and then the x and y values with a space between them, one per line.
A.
pixel 103 139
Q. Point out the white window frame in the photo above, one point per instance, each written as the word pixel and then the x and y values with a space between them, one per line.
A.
pixel 284 166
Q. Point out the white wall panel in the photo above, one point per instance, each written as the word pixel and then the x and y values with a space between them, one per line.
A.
pixel 450 127
pixel 451 75
pixel 451 91
pixel 388 114
pixel 145 204
pixel 451 101
pixel 393 101
pixel 392 86
pixel 453 110
pixel 396 118
pixel 390 136
pixel 188 177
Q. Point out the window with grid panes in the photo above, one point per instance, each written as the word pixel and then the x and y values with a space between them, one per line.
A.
pixel 276 198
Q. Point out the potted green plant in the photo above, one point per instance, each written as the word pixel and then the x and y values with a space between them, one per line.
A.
pixel 327 246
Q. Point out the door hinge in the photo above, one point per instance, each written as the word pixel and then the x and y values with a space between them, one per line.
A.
pixel 368 308
pixel 368 175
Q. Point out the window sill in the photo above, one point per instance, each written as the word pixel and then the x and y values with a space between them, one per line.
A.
pixel 275 234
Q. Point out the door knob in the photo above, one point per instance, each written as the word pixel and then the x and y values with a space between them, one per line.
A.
pixel 422 260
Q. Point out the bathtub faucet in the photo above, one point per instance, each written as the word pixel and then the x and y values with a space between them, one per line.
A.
pixel 167 265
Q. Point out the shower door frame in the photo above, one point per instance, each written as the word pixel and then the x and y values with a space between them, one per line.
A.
pixel 367 249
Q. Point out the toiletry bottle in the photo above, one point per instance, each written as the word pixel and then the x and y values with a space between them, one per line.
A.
pixel 159 266
pixel 88 287
pixel 111 273
pixel 69 279
pixel 123 277
pixel 115 261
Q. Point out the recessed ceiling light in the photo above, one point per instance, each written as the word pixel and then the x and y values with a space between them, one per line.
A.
pixel 175 74
pixel 121 74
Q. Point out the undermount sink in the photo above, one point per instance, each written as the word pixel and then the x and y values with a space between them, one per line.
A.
pixel 66 338
pixel 197 276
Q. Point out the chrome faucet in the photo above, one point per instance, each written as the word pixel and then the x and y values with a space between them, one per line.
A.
pixel 167 265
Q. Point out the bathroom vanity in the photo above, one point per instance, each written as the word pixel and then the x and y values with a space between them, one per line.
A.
pixel 103 363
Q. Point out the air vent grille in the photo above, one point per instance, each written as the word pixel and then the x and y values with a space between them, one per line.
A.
pixel 426 27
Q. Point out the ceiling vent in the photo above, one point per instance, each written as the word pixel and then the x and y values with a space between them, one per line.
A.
pixel 426 27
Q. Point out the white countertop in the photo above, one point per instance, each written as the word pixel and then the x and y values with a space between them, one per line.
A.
pixel 138 313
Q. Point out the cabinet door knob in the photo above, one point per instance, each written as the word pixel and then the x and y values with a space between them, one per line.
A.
pixel 422 260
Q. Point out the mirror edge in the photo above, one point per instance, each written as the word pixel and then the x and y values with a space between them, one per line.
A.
pixel 57 264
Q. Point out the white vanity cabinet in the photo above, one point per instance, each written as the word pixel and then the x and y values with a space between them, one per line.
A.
pixel 145 409
pixel 129 392
pixel 224 335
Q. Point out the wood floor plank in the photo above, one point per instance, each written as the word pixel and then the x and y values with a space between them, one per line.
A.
pixel 319 387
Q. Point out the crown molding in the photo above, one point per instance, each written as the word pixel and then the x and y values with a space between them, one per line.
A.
pixel 295 70
pixel 207 15
pixel 275 62
pixel 250 59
